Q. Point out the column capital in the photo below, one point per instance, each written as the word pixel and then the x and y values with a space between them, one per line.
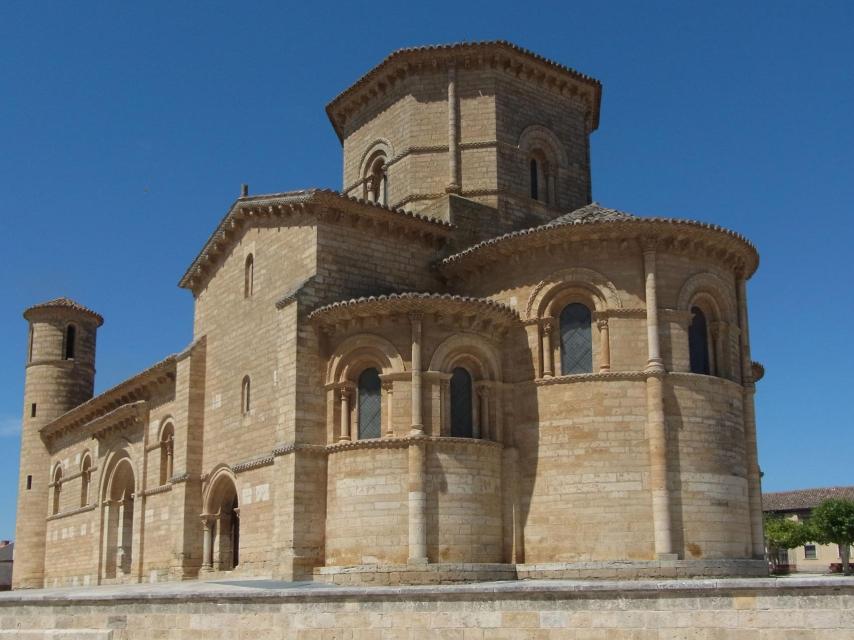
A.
pixel 388 386
pixel 649 244
pixel 415 317
pixel 547 324
pixel 602 323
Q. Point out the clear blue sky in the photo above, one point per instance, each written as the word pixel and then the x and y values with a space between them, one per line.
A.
pixel 126 130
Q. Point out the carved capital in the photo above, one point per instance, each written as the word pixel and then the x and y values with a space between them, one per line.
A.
pixel 388 386
pixel 602 323
pixel 547 324
pixel 415 317
pixel 649 244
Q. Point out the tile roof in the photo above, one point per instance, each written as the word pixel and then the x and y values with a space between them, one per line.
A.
pixel 595 213
pixel 803 498
pixel 464 48
pixel 66 303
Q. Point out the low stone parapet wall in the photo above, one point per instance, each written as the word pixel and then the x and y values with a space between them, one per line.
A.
pixel 740 609
pixel 644 569
pixel 391 574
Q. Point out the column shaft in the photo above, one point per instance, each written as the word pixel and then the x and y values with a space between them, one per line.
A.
pixel 656 425
pixel 754 478
pixel 417 388
pixel 417 504
pixel 454 181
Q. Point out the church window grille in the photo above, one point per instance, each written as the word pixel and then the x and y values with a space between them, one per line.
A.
pixel 370 404
pixel 576 340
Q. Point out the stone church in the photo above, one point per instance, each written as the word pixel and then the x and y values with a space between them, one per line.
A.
pixel 458 367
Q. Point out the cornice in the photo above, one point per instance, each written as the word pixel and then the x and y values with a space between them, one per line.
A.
pixel 62 308
pixel 136 388
pixel 498 54
pixel 671 236
pixel 479 313
pixel 327 205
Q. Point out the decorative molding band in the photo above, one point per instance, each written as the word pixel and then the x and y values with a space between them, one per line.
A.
pixel 403 443
pixel 290 447
pixel 72 512
pixel 255 463
pixel 591 377
pixel 182 477
pixel 163 488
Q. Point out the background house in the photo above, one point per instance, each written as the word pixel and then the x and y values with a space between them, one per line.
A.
pixel 798 505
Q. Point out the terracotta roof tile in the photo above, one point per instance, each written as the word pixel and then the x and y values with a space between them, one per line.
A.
pixel 65 303
pixel 803 498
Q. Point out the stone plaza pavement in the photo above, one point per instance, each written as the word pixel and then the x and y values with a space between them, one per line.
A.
pixel 806 608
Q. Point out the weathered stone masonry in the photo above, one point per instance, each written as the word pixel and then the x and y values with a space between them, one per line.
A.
pixel 457 368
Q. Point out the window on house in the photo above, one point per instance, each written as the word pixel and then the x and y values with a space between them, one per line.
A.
pixel 576 339
pixel 810 552
pixel 370 404
pixel 70 340
pixel 85 477
pixel 462 420
pixel 29 482
pixel 33 410
pixel 245 399
pixel 249 276
pixel 698 342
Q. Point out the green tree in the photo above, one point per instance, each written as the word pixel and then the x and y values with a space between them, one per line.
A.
pixel 783 533
pixel 832 522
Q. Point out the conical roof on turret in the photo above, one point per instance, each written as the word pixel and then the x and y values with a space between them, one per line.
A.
pixel 63 303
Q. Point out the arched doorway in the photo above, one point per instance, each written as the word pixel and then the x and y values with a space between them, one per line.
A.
pixel 118 508
pixel 221 551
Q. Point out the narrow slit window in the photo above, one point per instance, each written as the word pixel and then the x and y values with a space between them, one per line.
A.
pixel 29 482
pixel 535 179
pixel 698 342
pixel 249 276
pixel 70 340
pixel 245 399
pixel 33 410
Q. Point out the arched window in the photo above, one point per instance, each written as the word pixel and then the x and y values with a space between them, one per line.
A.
pixel 57 489
pixel 167 442
pixel 576 342
pixel 245 399
pixel 462 422
pixel 249 276
pixel 535 180
pixel 376 181
pixel 370 404
pixel 698 342
pixel 70 339
pixel 85 480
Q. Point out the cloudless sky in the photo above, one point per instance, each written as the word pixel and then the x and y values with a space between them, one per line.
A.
pixel 126 130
